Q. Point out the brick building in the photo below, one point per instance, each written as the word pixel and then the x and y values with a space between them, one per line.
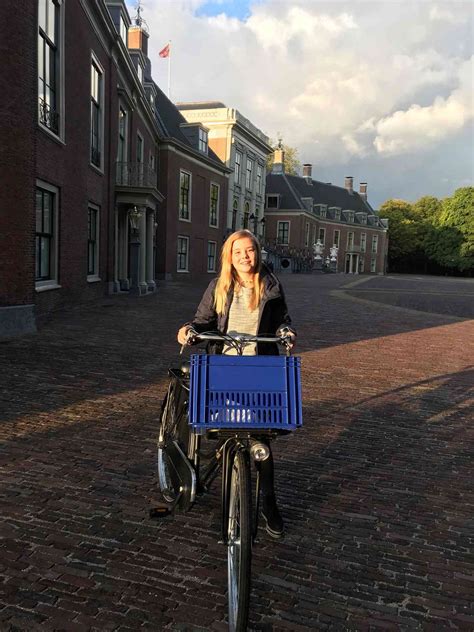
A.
pixel 244 149
pixel 83 205
pixel 301 212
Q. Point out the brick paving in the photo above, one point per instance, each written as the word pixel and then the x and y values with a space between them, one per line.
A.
pixel 376 489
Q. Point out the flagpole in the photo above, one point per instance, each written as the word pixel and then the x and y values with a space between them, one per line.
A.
pixel 169 71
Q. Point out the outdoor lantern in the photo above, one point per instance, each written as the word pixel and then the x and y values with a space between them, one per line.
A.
pixel 134 216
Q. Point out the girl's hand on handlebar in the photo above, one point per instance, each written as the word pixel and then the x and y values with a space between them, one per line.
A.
pixel 183 335
pixel 288 336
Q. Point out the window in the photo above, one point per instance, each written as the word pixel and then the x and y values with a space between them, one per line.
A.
pixel 272 201
pixel 337 215
pixel 122 136
pixel 315 232
pixel 306 237
pixel 363 242
pixel 96 113
pixel 123 31
pixel 375 243
pixel 92 242
pixel 373 264
pixel 211 256
pixel 46 235
pixel 152 160
pixel 140 72
pixel 283 233
pixel 139 149
pixel 259 178
pixel 336 239
pixel 350 216
pixel 184 196
pixel 362 264
pixel 238 167
pixel 234 215
pixel 202 140
pixel 322 235
pixel 183 254
pixel 323 210
pixel 48 64
pixel 214 205
pixel 350 240
pixel 248 174
pixel 246 215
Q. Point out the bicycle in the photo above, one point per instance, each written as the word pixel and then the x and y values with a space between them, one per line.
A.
pixel 215 396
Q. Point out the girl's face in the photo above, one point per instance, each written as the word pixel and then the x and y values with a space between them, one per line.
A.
pixel 244 255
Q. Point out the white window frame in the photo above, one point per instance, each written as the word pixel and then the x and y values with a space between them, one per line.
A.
pixel 283 221
pixel 95 62
pixel 348 245
pixel 238 167
pixel 375 244
pixel 373 264
pixel 123 30
pixel 363 242
pixel 60 77
pixel 188 173
pixel 323 240
pixel 259 178
pixel 209 244
pixel 186 239
pixel 91 278
pixel 140 72
pixel 248 174
pixel 338 232
pixel 337 215
pixel 214 184
pixel 53 282
pixel 362 264
pixel 203 140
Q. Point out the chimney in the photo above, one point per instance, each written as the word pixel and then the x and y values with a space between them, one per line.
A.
pixel 138 39
pixel 307 170
pixel 363 191
pixel 348 184
pixel 278 160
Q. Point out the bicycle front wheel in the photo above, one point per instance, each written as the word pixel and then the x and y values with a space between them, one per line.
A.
pixel 239 551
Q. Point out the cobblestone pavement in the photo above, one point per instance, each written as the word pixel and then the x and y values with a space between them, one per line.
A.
pixel 376 489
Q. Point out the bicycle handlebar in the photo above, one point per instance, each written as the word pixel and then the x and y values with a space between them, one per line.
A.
pixel 239 341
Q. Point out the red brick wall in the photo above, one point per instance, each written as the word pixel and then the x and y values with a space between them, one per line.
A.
pixel 198 230
pixel 18 86
pixel 67 166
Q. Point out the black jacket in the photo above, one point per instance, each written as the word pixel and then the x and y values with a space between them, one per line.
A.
pixel 273 312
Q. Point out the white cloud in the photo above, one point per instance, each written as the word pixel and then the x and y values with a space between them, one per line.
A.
pixel 365 80
pixel 421 127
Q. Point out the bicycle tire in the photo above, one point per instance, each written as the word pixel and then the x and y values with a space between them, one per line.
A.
pixel 239 546
pixel 169 431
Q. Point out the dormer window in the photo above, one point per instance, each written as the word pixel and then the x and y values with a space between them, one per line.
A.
pixel 140 73
pixel 349 216
pixel 203 140
pixel 123 30
pixel 307 203
pixel 272 201
pixel 323 210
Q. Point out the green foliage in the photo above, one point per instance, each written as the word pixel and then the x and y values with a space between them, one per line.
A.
pixel 430 230
pixel 291 162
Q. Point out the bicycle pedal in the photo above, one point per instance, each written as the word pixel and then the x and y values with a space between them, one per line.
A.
pixel 161 511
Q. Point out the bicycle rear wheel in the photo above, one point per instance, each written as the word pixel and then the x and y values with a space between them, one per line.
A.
pixel 239 551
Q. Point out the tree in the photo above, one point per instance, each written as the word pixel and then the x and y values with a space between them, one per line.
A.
pixel 428 208
pixel 291 162
pixel 450 242
pixel 403 231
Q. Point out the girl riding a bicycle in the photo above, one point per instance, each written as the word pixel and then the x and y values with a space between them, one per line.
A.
pixel 246 298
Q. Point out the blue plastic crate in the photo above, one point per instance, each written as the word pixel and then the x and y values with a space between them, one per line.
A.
pixel 245 392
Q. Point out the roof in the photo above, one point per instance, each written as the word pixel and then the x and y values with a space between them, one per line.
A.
pixel 292 189
pixel 170 120
pixel 201 105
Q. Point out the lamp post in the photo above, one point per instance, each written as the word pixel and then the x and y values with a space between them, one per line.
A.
pixel 134 216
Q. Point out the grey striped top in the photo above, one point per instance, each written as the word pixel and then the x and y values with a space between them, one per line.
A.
pixel 242 320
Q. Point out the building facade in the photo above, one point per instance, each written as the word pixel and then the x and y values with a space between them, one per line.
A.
pixel 244 149
pixel 301 212
pixel 85 174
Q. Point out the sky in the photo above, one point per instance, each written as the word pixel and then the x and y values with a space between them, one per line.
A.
pixel 381 90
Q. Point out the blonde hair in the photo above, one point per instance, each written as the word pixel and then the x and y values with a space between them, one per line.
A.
pixel 228 275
